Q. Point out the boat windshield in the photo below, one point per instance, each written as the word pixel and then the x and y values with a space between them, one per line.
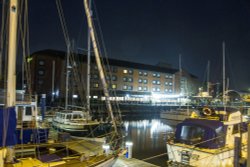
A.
pixel 192 134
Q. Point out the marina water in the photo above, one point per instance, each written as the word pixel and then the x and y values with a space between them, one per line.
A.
pixel 148 134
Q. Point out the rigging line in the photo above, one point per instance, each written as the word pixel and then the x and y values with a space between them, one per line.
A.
pixel 63 21
pixel 156 156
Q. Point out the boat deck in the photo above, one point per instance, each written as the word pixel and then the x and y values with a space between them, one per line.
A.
pixel 123 162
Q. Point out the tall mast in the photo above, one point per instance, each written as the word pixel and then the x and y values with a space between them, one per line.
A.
pixel 180 71
pixel 11 78
pixel 67 77
pixel 98 63
pixel 224 71
pixel 208 75
pixel 88 64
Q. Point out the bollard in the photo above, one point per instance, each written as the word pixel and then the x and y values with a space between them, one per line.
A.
pixel 129 149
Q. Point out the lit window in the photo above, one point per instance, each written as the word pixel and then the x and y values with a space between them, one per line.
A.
pixel 145 81
pixel 140 73
pixel 125 79
pixel 113 86
pixel 154 81
pixel 95 85
pixel 170 83
pixel 130 87
pixel 130 71
pixel 140 80
pixel 166 83
pixel 166 76
pixel 166 90
pixel 125 71
pixel 158 75
pixel 130 79
pixel 153 89
pixel 145 74
pixel 125 87
pixel 154 74
pixel 158 82
pixel 145 88
pixel 170 90
pixel 170 76
pixel 139 88
pixel 158 89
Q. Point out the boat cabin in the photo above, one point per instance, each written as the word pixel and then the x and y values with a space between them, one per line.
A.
pixel 214 131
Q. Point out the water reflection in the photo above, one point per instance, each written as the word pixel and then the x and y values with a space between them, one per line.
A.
pixel 148 137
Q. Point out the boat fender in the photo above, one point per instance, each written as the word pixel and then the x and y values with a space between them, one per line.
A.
pixel 207 111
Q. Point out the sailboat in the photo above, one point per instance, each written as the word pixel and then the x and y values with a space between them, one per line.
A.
pixel 55 154
pixel 218 138
pixel 79 122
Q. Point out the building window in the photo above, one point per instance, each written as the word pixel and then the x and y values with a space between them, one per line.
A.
pixel 114 69
pixel 130 79
pixel 166 83
pixel 170 90
pixel 125 87
pixel 130 87
pixel 154 74
pixel 113 86
pixel 140 88
pixel 95 85
pixel 154 82
pixel 145 73
pixel 158 89
pixel 95 68
pixel 170 83
pixel 154 89
pixel 41 62
pixel 166 90
pixel 145 88
pixel 158 82
pixel 170 76
pixel 107 78
pixel 40 82
pixel 166 76
pixel 125 79
pixel 158 75
pixel 130 71
pixel 41 72
pixel 145 81
pixel 125 71
pixel 95 76
pixel 140 80
pixel 114 77
pixel 140 73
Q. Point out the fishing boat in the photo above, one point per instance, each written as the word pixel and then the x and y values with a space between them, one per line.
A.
pixel 209 140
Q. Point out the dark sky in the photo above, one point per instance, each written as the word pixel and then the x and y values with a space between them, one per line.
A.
pixel 150 31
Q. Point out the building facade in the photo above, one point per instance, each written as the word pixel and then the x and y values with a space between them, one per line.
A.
pixel 126 80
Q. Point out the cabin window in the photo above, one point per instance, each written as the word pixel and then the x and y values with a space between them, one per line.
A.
pixel 192 134
pixel 236 128
pixel 68 116
pixel 28 111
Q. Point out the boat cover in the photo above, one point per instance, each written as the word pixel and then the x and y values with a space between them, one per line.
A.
pixel 211 138
pixel 7 127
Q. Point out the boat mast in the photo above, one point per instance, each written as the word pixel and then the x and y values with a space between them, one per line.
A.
pixel 224 72
pixel 11 78
pixel 67 77
pixel 98 63
pixel 88 64
pixel 208 75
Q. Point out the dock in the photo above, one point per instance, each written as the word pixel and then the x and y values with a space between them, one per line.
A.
pixel 132 162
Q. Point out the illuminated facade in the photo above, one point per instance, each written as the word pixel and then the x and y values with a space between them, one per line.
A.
pixel 130 80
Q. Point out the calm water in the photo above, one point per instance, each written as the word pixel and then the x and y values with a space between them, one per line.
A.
pixel 148 134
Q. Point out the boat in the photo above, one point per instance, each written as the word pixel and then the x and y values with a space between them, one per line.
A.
pixel 218 137
pixel 209 140
pixel 64 153
pixel 178 114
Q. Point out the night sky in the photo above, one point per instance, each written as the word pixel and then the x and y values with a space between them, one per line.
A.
pixel 152 31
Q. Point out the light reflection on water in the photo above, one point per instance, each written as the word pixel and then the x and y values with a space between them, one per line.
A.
pixel 148 137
